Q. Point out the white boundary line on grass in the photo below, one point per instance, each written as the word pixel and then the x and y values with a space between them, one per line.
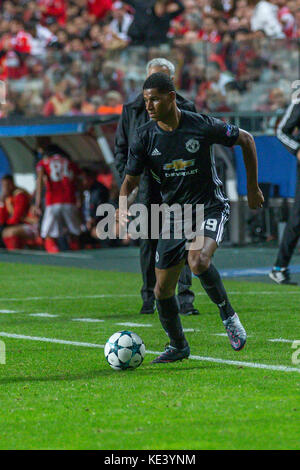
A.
pixel 197 358
pixel 282 340
pixel 44 253
pixel 104 296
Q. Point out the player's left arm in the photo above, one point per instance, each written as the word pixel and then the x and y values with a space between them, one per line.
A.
pixel 255 196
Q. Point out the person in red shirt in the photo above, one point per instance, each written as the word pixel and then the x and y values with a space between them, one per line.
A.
pixel 98 9
pixel 61 177
pixel 16 225
pixel 53 8
pixel 209 31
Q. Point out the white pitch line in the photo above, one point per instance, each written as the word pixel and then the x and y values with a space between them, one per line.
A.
pixel 134 324
pixel 197 358
pixel 51 340
pixel 46 315
pixel 282 340
pixel 88 320
pixel 8 311
pixel 105 296
pixel 44 253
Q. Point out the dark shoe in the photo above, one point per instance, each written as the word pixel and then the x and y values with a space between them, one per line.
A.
pixel 188 309
pixel 281 276
pixel 147 309
pixel 172 354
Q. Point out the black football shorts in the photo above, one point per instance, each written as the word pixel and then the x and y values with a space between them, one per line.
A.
pixel 171 251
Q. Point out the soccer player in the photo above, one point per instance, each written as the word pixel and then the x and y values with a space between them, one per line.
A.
pixel 185 166
pixel 134 115
pixel 62 205
pixel 289 123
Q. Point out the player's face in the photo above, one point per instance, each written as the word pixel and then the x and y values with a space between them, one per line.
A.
pixel 7 188
pixel 158 105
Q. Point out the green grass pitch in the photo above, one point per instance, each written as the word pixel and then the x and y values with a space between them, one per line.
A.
pixel 65 396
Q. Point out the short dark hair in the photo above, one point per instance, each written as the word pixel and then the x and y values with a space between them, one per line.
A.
pixel 161 81
pixel 89 172
pixel 53 149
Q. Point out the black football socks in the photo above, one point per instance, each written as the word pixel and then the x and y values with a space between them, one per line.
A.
pixel 212 283
pixel 168 311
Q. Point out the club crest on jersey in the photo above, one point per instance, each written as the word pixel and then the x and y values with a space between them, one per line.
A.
pixel 192 145
pixel 179 164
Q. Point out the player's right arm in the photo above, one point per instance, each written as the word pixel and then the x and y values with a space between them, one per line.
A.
pixel 134 168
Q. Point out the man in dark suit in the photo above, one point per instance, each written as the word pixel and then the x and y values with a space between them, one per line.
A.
pixel 134 115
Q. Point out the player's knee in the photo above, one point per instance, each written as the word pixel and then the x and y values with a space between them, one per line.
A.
pixel 163 291
pixel 199 262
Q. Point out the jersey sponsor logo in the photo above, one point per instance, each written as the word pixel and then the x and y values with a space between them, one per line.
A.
pixel 155 153
pixel 179 164
pixel 192 145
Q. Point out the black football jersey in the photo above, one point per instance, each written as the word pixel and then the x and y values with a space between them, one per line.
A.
pixel 182 160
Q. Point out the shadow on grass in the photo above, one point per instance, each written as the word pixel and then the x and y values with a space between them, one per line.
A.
pixel 148 369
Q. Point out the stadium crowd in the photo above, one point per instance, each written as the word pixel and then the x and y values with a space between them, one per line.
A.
pixel 70 57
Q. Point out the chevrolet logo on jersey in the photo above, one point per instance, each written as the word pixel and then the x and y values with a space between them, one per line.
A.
pixel 178 165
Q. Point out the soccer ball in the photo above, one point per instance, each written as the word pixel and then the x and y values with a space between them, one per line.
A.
pixel 124 350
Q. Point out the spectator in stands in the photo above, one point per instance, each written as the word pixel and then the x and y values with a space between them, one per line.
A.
pixel 265 17
pixel 209 32
pixel 218 79
pixel 151 23
pixel 53 10
pixel 98 9
pixel 62 198
pixel 59 103
pixel 94 194
pixel 121 21
pixel 16 227
pixel 112 103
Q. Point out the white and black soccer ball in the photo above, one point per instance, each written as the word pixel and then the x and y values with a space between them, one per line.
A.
pixel 124 350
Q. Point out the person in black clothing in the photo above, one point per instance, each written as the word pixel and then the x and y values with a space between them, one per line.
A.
pixel 152 21
pixel 286 134
pixel 134 114
pixel 94 194
pixel 187 173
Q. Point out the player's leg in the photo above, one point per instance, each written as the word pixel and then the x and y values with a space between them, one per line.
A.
pixel 51 228
pixel 71 220
pixel 185 295
pixel 12 237
pixel 168 310
pixel 280 272
pixel 147 262
pixel 202 266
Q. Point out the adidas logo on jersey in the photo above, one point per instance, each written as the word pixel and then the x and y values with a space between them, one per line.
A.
pixel 155 153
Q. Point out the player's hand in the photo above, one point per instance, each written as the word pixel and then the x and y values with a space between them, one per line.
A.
pixel 121 217
pixel 255 198
pixel 298 154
